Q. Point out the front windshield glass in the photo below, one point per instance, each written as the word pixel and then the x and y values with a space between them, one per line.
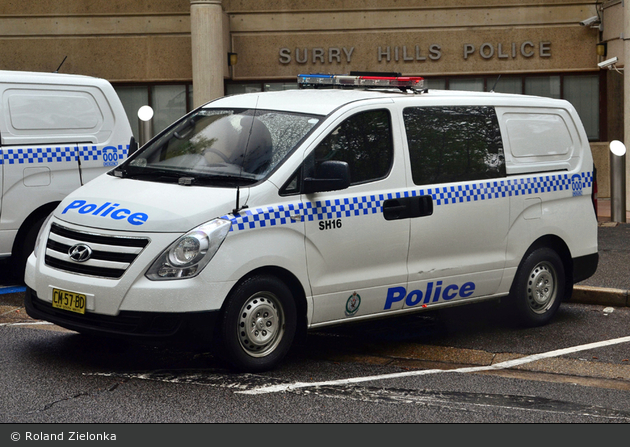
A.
pixel 237 146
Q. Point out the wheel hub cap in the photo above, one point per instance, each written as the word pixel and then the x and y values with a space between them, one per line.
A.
pixel 541 288
pixel 260 325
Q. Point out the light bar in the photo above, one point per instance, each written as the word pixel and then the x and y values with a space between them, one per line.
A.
pixel 317 80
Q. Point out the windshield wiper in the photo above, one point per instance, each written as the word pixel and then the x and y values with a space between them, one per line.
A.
pixel 208 179
pixel 137 173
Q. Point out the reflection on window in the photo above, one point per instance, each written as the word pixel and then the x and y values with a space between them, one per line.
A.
pixel 453 144
pixel 236 142
pixel 364 141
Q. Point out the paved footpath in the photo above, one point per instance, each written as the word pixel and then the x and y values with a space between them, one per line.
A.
pixel 610 285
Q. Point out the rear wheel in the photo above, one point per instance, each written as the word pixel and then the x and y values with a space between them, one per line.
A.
pixel 258 324
pixel 538 287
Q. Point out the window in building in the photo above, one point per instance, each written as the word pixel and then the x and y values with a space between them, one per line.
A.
pixel 453 144
pixel 512 84
pixel 547 86
pixel 278 86
pixel 237 89
pixel 435 84
pixel 253 87
pixel 583 93
pixel 469 84
pixel 169 103
pixel 132 99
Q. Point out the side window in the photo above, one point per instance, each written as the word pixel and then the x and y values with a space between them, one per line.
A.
pixel 364 141
pixel 454 144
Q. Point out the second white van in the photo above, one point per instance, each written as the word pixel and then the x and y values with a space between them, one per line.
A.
pixel 57 132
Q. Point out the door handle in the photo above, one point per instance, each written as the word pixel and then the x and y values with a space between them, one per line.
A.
pixel 408 207
pixel 394 209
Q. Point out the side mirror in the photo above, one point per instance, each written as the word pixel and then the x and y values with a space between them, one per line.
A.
pixel 331 176
pixel 133 146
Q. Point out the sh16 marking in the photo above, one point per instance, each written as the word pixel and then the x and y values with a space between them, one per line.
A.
pixel 332 224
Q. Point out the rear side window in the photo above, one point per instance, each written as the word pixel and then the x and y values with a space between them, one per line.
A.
pixel 454 144
pixel 32 110
pixel 364 141
pixel 540 135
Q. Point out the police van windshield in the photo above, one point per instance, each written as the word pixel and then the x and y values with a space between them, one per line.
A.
pixel 231 147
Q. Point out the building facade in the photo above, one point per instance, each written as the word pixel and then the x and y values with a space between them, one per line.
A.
pixel 174 54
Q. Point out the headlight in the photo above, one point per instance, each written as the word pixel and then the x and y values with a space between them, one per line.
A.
pixel 41 235
pixel 189 254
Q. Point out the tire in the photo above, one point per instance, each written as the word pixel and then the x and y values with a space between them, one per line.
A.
pixel 25 249
pixel 258 324
pixel 538 287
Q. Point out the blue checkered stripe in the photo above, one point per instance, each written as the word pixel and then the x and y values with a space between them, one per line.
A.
pixel 94 153
pixel 11 156
pixel 264 217
pixel 57 154
pixel 373 204
pixel 495 189
pixel 348 207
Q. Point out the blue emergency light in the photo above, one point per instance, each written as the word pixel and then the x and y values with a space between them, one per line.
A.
pixel 320 80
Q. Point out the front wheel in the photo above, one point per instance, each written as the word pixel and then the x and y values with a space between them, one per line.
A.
pixel 258 324
pixel 538 287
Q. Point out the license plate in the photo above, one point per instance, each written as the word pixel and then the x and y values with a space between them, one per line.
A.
pixel 74 302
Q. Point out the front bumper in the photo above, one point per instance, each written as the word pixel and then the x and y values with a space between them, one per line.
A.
pixel 194 329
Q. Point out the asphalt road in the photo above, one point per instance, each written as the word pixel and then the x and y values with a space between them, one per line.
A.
pixel 393 371
pixel 55 376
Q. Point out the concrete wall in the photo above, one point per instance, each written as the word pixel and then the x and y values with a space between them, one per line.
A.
pixel 279 39
pixel 149 40
pixel 120 40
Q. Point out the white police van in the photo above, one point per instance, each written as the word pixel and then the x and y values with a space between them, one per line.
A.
pixel 259 216
pixel 57 132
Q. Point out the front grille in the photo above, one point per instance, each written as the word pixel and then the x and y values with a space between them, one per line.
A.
pixel 110 256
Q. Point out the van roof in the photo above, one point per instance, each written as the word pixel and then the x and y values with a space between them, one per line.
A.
pixel 35 77
pixel 325 101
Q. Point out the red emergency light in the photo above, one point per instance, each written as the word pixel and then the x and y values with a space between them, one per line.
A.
pixel 319 80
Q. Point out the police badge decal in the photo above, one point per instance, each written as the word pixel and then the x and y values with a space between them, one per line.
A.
pixel 353 303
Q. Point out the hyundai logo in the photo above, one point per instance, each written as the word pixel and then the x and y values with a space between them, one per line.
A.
pixel 80 252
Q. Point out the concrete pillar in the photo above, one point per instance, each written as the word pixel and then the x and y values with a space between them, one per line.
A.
pixel 208 54
pixel 626 91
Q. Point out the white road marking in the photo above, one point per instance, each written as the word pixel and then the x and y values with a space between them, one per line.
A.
pixel 25 324
pixel 497 366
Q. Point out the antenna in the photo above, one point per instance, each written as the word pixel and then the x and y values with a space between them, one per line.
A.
pixel 495 84
pixel 64 59
pixel 238 188
pixel 236 210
